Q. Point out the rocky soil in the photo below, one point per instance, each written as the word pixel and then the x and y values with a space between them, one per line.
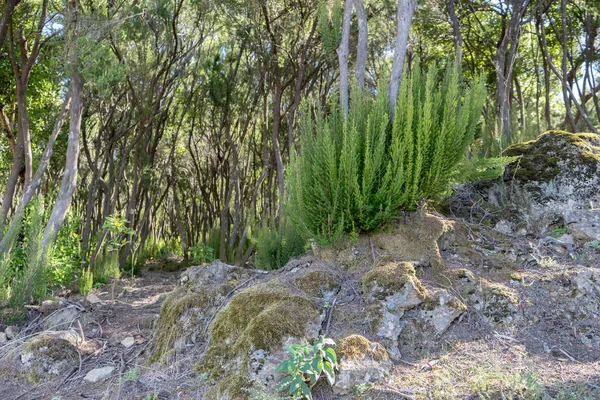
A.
pixel 489 300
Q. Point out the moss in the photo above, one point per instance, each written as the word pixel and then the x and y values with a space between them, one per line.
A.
pixel 47 352
pixel 544 159
pixel 357 347
pixel 318 282
pixel 415 239
pixel 391 276
pixel 258 318
pixel 169 325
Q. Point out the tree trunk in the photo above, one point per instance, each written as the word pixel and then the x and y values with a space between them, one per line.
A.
pixel 37 179
pixel 458 40
pixel 69 180
pixel 361 54
pixel 406 9
pixel 342 51
pixel 6 18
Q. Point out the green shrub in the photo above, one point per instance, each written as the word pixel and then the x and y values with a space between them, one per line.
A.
pixel 86 281
pixel 275 246
pixel 106 267
pixel 28 282
pixel 305 366
pixel 201 254
pixel 354 173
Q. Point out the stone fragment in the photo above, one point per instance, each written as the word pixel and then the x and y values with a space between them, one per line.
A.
pixel 62 319
pixel 128 342
pixel 98 374
pixel 12 332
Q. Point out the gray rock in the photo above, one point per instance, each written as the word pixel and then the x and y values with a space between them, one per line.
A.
pixel 366 362
pixel 12 332
pixel 3 338
pixel 128 342
pixel 448 308
pixel 93 299
pixel 61 319
pixel 98 374
pixel 557 177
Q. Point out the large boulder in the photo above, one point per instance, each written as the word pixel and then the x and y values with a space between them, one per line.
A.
pixel 556 178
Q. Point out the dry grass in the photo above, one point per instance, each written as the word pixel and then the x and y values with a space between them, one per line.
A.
pixel 496 369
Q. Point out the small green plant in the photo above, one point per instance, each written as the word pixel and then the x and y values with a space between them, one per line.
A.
pixel 106 267
pixel 86 281
pixel 594 244
pixel 275 246
pixel 116 225
pixel 201 254
pixel 130 375
pixel 558 231
pixel 305 366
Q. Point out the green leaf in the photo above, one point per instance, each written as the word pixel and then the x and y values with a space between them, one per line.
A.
pixel 306 391
pixel 283 367
pixel 285 382
pixel 329 374
pixel 331 356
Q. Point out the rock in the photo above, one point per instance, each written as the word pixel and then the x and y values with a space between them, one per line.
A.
pixel 3 338
pixel 93 299
pixel 45 357
pixel 49 306
pixel 446 308
pixel 12 332
pixel 392 288
pixel 210 274
pixel 98 374
pixel 61 319
pixel 128 342
pixel 557 178
pixel 361 362
pixel 588 281
pixel 504 226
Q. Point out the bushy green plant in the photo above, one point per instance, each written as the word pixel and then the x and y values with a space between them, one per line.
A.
pixel 354 173
pixel 65 256
pixel 201 254
pixel 28 284
pixel 275 246
pixel 86 281
pixel 305 366
pixel 106 267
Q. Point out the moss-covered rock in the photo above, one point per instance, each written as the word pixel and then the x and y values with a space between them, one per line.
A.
pixel 260 319
pixel 361 362
pixel 318 282
pixel 553 154
pixel 46 356
pixel 556 178
pixel 389 277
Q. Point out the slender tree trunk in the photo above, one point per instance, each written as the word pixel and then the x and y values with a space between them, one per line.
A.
pixel 69 180
pixel 406 9
pixel 37 179
pixel 361 54
pixel 24 130
pixel 343 50
pixel 6 18
pixel 458 39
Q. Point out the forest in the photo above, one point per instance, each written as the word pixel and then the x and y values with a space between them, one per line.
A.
pixel 247 131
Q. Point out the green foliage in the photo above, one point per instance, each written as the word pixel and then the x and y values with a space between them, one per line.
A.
pixel 558 231
pixel 354 174
pixel 23 266
pixel 201 254
pixel 477 169
pixel 306 364
pixel 116 225
pixel 331 14
pixel 106 267
pixel 595 244
pixel 274 247
pixel 86 281
pixel 65 255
